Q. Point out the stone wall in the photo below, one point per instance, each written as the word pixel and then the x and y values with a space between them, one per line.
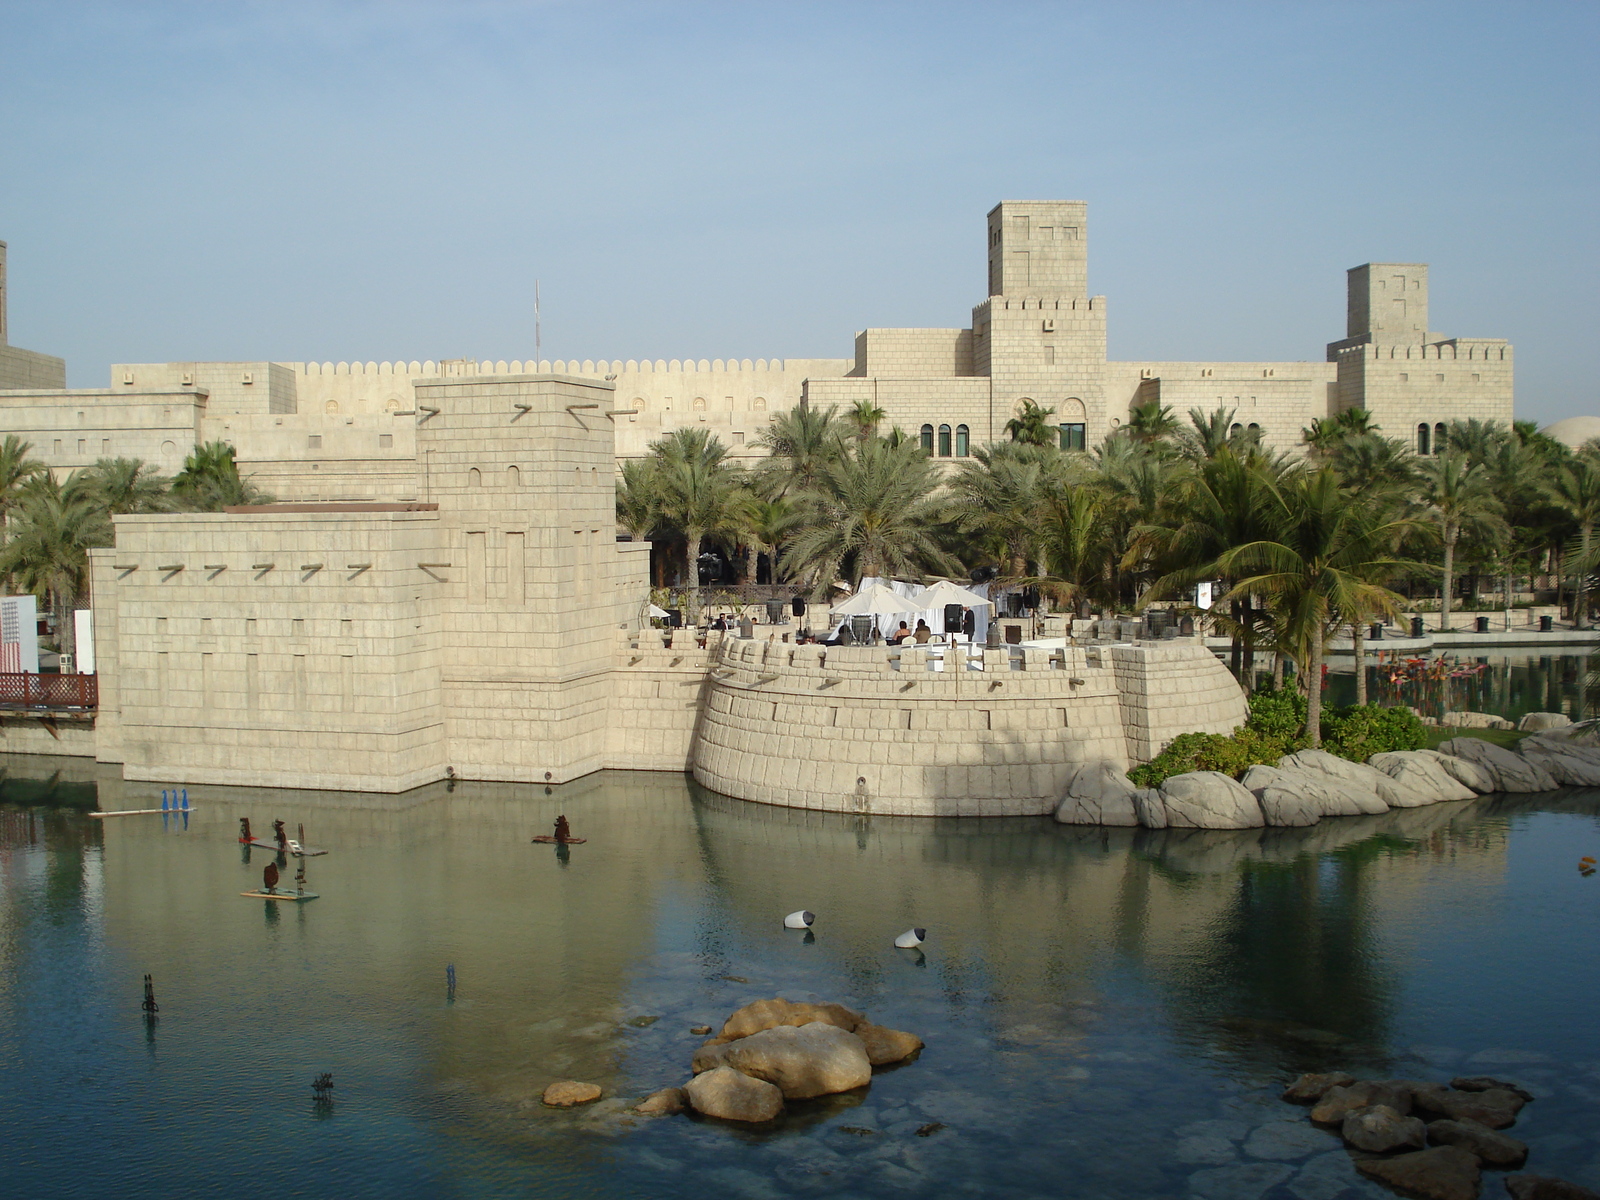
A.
pixel 875 730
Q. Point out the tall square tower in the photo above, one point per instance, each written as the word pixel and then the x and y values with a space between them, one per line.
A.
pixel 1387 303
pixel 1039 248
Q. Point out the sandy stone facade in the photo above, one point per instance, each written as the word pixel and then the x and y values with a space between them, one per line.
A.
pixel 440 592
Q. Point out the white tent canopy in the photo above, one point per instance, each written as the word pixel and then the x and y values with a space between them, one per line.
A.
pixel 657 611
pixel 944 592
pixel 876 601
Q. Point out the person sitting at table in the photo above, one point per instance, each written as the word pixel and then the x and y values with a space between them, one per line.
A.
pixel 899 635
pixel 922 634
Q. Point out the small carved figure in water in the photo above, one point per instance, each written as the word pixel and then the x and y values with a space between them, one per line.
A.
pixel 563 830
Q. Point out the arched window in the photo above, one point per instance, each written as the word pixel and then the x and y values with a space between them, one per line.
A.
pixel 474 478
pixel 1235 429
pixel 513 477
pixel 963 441
pixel 1072 435
pixel 1253 429
pixel 944 441
pixel 927 439
pixel 1422 438
pixel 1439 446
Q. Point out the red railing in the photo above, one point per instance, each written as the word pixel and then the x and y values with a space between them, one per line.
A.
pixel 23 689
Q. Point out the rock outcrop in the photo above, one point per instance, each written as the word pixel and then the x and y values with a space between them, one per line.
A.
pixel 1542 721
pixel 1496 1149
pixel 1309 1088
pixel 1291 797
pixel 1442 1173
pixel 769 1014
pixel 1421 778
pixel 802 1061
pixel 1546 1187
pixel 1209 800
pixel 1474 720
pixel 1511 771
pixel 1379 1129
pixel 1339 1102
pixel 884 1045
pixel 1368 779
pixel 1100 794
pixel 1470 774
pixel 1568 763
pixel 568 1092
pixel 663 1103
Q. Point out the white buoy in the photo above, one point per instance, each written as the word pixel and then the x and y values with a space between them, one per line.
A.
pixel 799 920
pixel 911 939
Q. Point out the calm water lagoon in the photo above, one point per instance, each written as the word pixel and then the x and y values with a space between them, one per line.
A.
pixel 1108 1013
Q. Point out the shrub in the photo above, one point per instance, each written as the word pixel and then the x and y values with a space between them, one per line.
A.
pixel 1232 754
pixel 1276 714
pixel 1362 730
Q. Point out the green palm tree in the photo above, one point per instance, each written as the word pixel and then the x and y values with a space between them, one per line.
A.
pixel 701 496
pixel 1320 564
pixel 1325 433
pixel 122 485
pixel 1151 422
pixel 803 443
pixel 1370 462
pixel 1032 425
pixel 1000 492
pixel 17 469
pixel 769 524
pixel 1458 498
pixel 210 481
pixel 873 513
pixel 865 417
pixel 47 553
pixel 1209 433
pixel 1575 488
pixel 1077 554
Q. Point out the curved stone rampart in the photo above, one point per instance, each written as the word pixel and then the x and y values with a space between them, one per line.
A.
pixel 907 732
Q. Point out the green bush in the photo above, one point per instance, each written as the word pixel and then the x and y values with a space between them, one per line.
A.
pixel 1232 754
pixel 1362 730
pixel 1276 714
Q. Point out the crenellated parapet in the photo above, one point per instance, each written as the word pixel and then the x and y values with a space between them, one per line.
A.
pixel 944 730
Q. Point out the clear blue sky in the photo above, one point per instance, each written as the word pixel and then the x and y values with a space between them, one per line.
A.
pixel 218 181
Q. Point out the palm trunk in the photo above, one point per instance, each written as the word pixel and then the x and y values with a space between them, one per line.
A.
pixel 1358 640
pixel 1235 645
pixel 1580 600
pixel 66 629
pixel 1249 650
pixel 1449 568
pixel 1277 671
pixel 1314 692
pixel 692 550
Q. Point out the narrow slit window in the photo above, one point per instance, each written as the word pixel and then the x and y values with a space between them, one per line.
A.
pixel 944 441
pixel 963 441
pixel 927 439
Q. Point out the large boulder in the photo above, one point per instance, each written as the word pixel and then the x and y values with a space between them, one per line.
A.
pixel 1497 1108
pixel 567 1092
pixel 1442 1173
pixel 1540 722
pixel 1566 763
pixel 1469 774
pixel 1365 778
pixel 804 1061
pixel 1293 797
pixel 1100 794
pixel 1511 771
pixel 1422 777
pixel 1150 808
pixel 1209 800
pixel 1496 1149
pixel 1379 1129
pixel 663 1103
pixel 734 1096
pixel 886 1045
pixel 769 1014
pixel 1474 720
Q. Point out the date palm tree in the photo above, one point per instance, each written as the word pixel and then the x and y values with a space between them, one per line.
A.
pixel 47 553
pixel 1575 488
pixel 1458 498
pixel 17 468
pixel 1000 493
pixel 865 417
pixel 802 443
pixel 1032 425
pixel 701 495
pixel 210 480
pixel 122 485
pixel 1323 560
pixel 1076 552
pixel 1151 422
pixel 872 513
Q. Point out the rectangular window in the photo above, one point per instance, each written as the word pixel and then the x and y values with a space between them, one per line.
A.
pixel 105 446
pixel 83 445
pixel 517 568
pixel 1477 378
pixel 249 627
pixel 1049 356
pixel 1405 377
pixel 208 679
pixel 299 626
pixel 314 442
pixel 252 681
pixel 347 683
pixel 1073 436
pixel 1438 378
pixel 58 447
pixel 477 566
pixel 302 683
pixel 347 628
pixel 738 438
pixel 1020 276
pixel 385 441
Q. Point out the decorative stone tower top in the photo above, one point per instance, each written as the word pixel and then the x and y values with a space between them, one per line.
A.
pixel 1039 248
pixel 1387 304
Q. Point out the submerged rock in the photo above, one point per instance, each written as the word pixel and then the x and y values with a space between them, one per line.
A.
pixel 1380 1129
pixel 1100 794
pixel 568 1092
pixel 1496 1149
pixel 734 1096
pixel 809 1060
pixel 1209 800
pixel 1495 1107
pixel 662 1103
pixel 1546 1187
pixel 1308 1089
pixel 1338 1102
pixel 1442 1173
pixel 1483 1083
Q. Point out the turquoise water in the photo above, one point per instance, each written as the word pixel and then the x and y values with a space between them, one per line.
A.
pixel 1108 1013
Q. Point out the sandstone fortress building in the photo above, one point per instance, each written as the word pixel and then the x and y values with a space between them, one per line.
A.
pixel 442 592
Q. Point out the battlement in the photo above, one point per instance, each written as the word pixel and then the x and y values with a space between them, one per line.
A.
pixel 1455 349
pixel 572 366
pixel 1040 304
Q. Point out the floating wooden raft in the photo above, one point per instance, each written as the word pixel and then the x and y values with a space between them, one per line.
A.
pixel 260 895
pixel 547 840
